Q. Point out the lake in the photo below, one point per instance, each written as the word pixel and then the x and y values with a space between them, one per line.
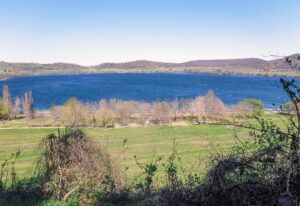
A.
pixel 51 90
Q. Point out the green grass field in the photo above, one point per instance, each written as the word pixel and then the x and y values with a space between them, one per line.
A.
pixel 195 144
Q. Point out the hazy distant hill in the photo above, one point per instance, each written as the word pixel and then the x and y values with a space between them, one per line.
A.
pixel 250 62
pixel 35 67
pixel 228 66
pixel 220 63
pixel 280 63
pixel 139 64
pixel 61 65
pixel 143 64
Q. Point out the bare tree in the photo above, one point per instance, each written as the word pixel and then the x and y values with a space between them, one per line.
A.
pixel 124 110
pixel 213 104
pixel 197 107
pixel 7 98
pixel 143 111
pixel 28 105
pixel 207 106
pixel 75 113
pixel 56 113
pixel 185 107
pixel 175 108
pixel 161 112
pixel 105 115
pixel 17 107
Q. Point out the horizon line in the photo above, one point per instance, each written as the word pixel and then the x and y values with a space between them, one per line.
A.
pixel 265 58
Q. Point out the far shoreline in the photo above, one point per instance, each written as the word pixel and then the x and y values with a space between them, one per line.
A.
pixel 135 71
pixel 5 78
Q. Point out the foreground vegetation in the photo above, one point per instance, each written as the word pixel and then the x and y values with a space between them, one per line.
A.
pixel 196 145
pixel 132 150
pixel 193 143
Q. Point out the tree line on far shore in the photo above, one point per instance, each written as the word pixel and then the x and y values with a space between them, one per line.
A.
pixel 107 113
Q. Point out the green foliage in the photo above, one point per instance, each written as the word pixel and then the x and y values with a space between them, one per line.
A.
pixel 269 135
pixel 71 101
pixel 192 119
pixel 288 108
pixel 253 107
pixel 14 191
pixel 4 111
pixel 71 202
pixel 171 169
pixel 8 177
pixel 149 170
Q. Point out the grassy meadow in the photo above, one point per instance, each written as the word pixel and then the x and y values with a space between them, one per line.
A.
pixel 194 144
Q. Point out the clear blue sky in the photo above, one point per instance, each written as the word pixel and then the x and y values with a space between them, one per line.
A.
pixel 94 31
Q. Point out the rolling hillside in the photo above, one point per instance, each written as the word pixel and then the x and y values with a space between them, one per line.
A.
pixel 229 66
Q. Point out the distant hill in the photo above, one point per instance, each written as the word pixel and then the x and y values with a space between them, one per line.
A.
pixel 35 68
pixel 220 63
pixel 228 66
pixel 144 64
pixel 250 62
pixel 139 64
pixel 280 63
pixel 61 65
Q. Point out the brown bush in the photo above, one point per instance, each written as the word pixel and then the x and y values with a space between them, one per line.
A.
pixel 76 167
pixel 105 116
pixel 75 113
pixel 124 110
pixel 208 106
pixel 143 112
pixel 161 112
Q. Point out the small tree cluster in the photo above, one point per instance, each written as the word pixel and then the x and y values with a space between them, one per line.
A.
pixel 208 105
pixel 250 107
pixel 10 107
pixel 108 112
pixel 28 105
pixel 7 102
pixel 105 115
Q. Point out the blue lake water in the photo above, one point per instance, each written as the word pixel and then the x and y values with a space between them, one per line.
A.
pixel 51 90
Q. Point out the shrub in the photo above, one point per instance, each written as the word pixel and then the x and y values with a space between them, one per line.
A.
pixel 4 111
pixel 161 112
pixel 17 192
pixel 250 107
pixel 74 113
pixel 288 108
pixel 71 202
pixel 149 170
pixel 74 167
pixel 105 116
pixel 208 105
pixel 171 169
